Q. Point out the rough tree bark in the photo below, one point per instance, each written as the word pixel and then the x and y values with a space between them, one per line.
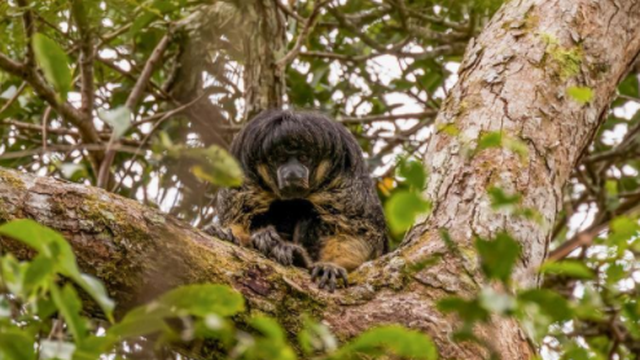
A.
pixel 514 79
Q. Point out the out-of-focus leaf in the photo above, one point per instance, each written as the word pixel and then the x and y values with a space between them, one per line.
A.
pixel 52 245
pixel 54 63
pixel 272 344
pixel 119 119
pixel 69 305
pixel 316 336
pixel 39 272
pixel 572 268
pixel 60 350
pixel 402 209
pixel 490 140
pixel 549 302
pixel 204 299
pixel 16 344
pixel 468 310
pixel 580 94
pixel 500 200
pixel 498 256
pixel 213 164
pixel 390 339
pixel 199 300
pixel 414 173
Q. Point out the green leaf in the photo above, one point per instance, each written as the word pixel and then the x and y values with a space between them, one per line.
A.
pixel 272 345
pixel 52 245
pixel 60 350
pixel 414 173
pixel 490 140
pixel 196 300
pixel 269 328
pixel 499 199
pixel 16 344
pixel 580 94
pixel 94 347
pixel 623 229
pixel 39 272
pixel 571 268
pixel 402 209
pixel 496 302
pixel 316 336
pixel 95 288
pixel 69 305
pixel 549 302
pixel 213 164
pixel 204 299
pixel 119 119
pixel 392 339
pixel 498 256
pixel 141 321
pixel 54 63
pixel 468 310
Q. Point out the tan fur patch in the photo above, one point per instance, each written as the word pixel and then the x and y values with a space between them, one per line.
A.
pixel 241 234
pixel 263 171
pixel 348 252
pixel 322 170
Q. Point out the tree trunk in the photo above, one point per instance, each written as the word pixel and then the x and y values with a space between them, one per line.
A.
pixel 513 80
pixel 264 44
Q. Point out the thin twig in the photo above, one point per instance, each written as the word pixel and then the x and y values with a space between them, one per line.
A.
pixel 86 57
pixel 131 103
pixel 166 116
pixel 45 122
pixel 387 117
pixel 147 71
pixel 27 20
pixel 14 97
pixel 308 27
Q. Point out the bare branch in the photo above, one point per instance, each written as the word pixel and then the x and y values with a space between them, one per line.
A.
pixel 387 117
pixel 14 97
pixel 86 57
pixel 27 20
pixel 147 71
pixel 308 27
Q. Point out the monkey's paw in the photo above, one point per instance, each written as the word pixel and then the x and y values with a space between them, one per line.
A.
pixel 288 254
pixel 328 275
pixel 225 235
pixel 265 239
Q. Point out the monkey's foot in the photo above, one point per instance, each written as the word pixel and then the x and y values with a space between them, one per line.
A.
pixel 288 254
pixel 328 275
pixel 225 235
pixel 265 239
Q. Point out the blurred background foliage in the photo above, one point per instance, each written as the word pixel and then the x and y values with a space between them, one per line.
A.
pixel 131 95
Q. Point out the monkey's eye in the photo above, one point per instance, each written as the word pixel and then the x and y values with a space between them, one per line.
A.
pixel 303 158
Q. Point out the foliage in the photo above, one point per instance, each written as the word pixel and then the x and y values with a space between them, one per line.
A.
pixel 41 297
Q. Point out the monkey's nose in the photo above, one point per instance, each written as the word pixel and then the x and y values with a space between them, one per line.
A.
pixel 293 177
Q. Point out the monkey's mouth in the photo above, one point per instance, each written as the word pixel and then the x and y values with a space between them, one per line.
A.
pixel 294 191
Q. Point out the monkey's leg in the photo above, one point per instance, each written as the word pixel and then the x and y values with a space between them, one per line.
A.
pixel 268 242
pixel 339 254
pixel 234 234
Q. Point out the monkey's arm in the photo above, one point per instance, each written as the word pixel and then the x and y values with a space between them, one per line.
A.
pixel 339 254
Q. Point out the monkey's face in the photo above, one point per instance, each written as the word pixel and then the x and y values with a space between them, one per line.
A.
pixel 293 176
pixel 289 171
pixel 294 156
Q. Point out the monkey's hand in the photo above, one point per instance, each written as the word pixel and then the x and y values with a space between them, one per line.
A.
pixel 269 243
pixel 328 275
pixel 225 235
